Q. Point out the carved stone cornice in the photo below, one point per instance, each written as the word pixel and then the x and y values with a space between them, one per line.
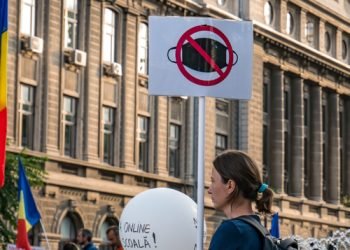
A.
pixel 283 47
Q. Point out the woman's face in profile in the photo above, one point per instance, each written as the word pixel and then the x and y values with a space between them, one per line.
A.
pixel 218 190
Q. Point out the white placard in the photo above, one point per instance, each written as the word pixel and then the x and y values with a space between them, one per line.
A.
pixel 200 57
pixel 13 247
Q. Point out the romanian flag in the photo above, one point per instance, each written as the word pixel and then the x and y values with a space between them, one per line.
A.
pixel 3 87
pixel 28 214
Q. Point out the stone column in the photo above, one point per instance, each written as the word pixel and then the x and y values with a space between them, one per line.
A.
pixel 276 135
pixel 302 26
pixel 129 93
pixel 190 140
pixel 297 143
pixel 316 144
pixel 339 35
pixel 283 16
pixel 347 146
pixel 321 40
pixel 333 168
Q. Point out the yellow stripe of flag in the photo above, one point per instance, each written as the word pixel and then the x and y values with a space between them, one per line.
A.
pixel 3 71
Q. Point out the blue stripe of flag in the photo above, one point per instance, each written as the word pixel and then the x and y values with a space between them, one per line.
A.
pixel 31 212
pixel 3 16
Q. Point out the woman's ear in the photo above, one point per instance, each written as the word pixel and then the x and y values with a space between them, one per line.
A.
pixel 231 185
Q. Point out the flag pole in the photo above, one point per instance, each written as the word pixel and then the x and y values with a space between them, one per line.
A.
pixel 45 234
pixel 200 172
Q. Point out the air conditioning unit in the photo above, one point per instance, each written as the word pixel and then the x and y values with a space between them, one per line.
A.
pixel 78 57
pixel 114 69
pixel 34 44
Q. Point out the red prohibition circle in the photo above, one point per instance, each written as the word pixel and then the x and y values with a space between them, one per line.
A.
pixel 187 37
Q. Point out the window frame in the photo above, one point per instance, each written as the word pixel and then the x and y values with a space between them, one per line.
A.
pixel 312 31
pixel 175 148
pixel 230 126
pixel 143 143
pixel 33 17
pixel 176 118
pixel 75 21
pixel 331 31
pixel 111 122
pixel 25 113
pixel 269 13
pixel 345 40
pixel 72 124
pixel 143 44
pixel 294 11
pixel 114 32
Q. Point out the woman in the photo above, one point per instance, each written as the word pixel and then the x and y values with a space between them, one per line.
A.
pixel 235 184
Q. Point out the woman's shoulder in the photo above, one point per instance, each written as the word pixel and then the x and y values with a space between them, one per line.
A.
pixel 236 234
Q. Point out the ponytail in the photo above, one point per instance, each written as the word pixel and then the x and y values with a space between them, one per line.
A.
pixel 264 201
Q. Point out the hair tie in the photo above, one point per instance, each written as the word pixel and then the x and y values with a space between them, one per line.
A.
pixel 263 187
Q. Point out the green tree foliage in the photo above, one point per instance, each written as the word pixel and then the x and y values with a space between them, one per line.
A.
pixel 34 167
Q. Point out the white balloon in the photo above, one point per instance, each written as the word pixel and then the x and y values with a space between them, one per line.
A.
pixel 159 219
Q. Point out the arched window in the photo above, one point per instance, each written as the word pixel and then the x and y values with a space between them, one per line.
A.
pixel 68 229
pixel 108 222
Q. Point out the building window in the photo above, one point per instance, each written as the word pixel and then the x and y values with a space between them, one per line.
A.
pixel 344 51
pixel 176 128
pixel 143 49
pixel 27 116
pixel 108 135
pixel 174 150
pixel 293 21
pixel 71 23
pixel 68 229
pixel 69 120
pixel 222 125
pixel 268 12
pixel 345 48
pixel 327 41
pixel 221 2
pixel 143 141
pixel 110 221
pixel 290 23
pixel 28 17
pixel 220 143
pixel 109 36
pixel 69 226
pixel 311 31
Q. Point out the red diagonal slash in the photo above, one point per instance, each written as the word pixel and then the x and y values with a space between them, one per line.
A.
pixel 205 55
pixel 198 80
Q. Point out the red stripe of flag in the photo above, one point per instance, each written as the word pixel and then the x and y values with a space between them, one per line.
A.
pixel 22 237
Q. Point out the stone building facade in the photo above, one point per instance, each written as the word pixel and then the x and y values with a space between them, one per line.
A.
pixel 77 93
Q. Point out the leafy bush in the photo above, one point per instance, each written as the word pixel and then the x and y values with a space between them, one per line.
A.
pixel 34 167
